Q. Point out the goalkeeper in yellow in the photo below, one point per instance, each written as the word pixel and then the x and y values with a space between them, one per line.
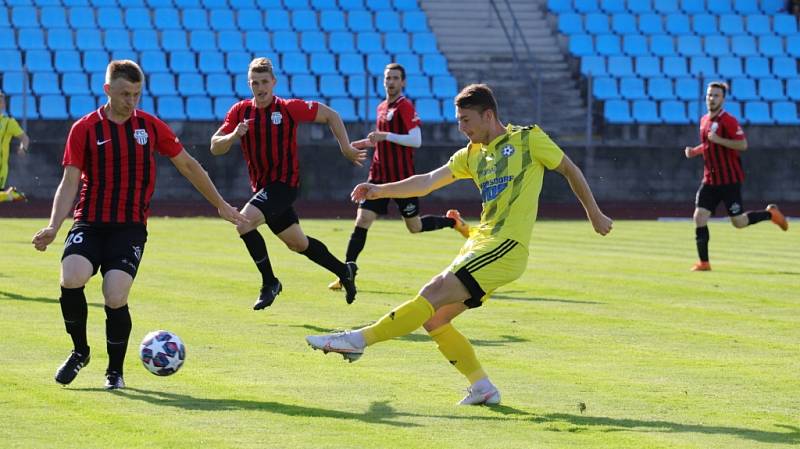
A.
pixel 507 164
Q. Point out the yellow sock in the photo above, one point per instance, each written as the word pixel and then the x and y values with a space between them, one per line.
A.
pixel 403 320
pixel 458 351
pixel 5 196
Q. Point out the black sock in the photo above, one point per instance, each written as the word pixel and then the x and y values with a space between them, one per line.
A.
pixel 356 244
pixel 754 217
pixel 258 251
pixel 118 329
pixel 75 311
pixel 319 254
pixel 434 222
pixel 702 237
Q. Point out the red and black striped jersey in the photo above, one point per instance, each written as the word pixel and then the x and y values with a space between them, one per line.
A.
pixel 390 161
pixel 117 163
pixel 270 144
pixel 721 165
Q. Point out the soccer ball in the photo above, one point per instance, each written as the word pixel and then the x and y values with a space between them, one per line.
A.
pixel 162 353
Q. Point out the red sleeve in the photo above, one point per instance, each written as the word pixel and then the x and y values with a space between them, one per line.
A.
pixel 732 128
pixel 302 111
pixel 74 150
pixel 409 115
pixel 168 143
pixel 231 120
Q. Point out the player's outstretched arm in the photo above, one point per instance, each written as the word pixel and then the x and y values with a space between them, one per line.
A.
pixel 601 223
pixel 417 185
pixel 196 174
pixel 221 143
pixel 62 203
pixel 327 115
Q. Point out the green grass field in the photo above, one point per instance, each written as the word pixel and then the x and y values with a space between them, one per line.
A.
pixel 661 357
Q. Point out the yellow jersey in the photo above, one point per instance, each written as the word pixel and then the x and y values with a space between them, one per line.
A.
pixel 508 172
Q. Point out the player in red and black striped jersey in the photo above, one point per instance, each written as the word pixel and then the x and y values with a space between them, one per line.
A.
pixel 397 133
pixel 110 157
pixel 721 141
pixel 266 127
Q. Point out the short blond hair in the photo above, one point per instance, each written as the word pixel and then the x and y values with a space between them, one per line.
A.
pixel 261 65
pixel 125 69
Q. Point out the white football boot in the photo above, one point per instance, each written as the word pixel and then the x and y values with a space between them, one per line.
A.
pixel 349 344
pixel 482 392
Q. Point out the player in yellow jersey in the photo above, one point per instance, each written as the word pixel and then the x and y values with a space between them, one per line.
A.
pixel 9 128
pixel 507 163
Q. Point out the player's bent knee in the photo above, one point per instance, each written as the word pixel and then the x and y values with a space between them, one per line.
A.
pixel 116 301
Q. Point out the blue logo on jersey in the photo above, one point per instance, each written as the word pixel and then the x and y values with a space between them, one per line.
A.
pixel 492 188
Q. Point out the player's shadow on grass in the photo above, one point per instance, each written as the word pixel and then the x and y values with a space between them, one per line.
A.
pixel 517 295
pixel 421 337
pixel 10 296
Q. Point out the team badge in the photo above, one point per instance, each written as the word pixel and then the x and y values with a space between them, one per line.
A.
pixel 508 150
pixel 389 114
pixel 141 136
pixel 276 118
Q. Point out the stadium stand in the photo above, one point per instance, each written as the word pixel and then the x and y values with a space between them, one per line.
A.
pixel 195 52
pixel 649 60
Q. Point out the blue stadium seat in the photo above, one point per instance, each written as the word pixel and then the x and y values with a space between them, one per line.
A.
pixel 96 82
pixel 730 67
pixel 313 41
pixel 222 20
pixel 144 40
pixel 191 84
pixel 202 40
pixel 75 83
pixel 744 46
pixel 269 4
pixel 294 63
pixel 138 18
pixel 353 63
pixel 257 42
pixel 785 113
pixel 617 111
pixel 242 88
pixel 690 45
pixel 117 39
pixel 24 17
pixel 167 19
pixel 429 110
pixel 406 5
pixel 596 23
pixel 613 6
pixel 608 45
pixel 784 24
pixel 645 111
pixel 620 66
pixel 605 88
pixel 60 39
pixel 357 88
pixel 757 67
pixel 332 86
pixel 570 23
pixel 418 86
pixel 424 43
pixel 717 46
pixel 770 46
pixel 36 61
pixel 746 7
pixel 7 39
pixel 53 17
pixel 229 41
pixel 195 19
pixel 650 23
pixel 170 108
pixel 702 65
pixel 635 45
pixel 678 24
pixel 323 63
pixel 369 42
pixel 444 87
pixel 53 107
pixel 250 20
pixel 397 43
pixel 379 5
pixel 68 61
pixel 211 62
pixel 784 67
pixel 162 84
pixel 285 41
pixel 793 89
pixel 757 112
pixel 13 83
pixel 772 6
pixel 687 89
pixel 560 6
pixel 174 40
pixel 647 66
pixel 182 61
pixel 31 39
pixel 110 18
pixel 215 4
pixel 581 45
pixel 237 61
pixel 640 6
pixel 674 112
pixel 586 6
pixel 80 105
pixel 593 65
pixel 759 25
pixel 158 3
pixel 793 45
pixel 434 64
pixel 153 62
pixel 705 25
pixel 623 23
pixel 219 85
pixel 82 17
pixel 410 62
pixel 743 89
pixel 4 22
pixel 376 62
pixel 415 22
pixel 304 86
pixel 304 20
pixel 675 66
pixel 86 39
pixel 387 21
pixel 693 6
pixel 632 88
pixel 770 89
pixel 345 107
pixel 146 104
pixel 294 5
pixel 125 54
pixel 719 7
pixel 665 6
pixel 324 5
pixel 360 21
pixel 222 105
pixel 22 107
pixel 332 20
pixel 342 42
pixel 662 45
pixel 731 24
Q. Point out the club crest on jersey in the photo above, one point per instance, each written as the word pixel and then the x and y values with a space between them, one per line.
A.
pixel 141 136
pixel 508 150
pixel 276 118
pixel 389 114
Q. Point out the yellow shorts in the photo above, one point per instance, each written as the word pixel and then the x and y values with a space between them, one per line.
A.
pixel 483 266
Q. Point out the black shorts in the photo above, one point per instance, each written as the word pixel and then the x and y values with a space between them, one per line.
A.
pixel 108 247
pixel 708 197
pixel 275 202
pixel 408 207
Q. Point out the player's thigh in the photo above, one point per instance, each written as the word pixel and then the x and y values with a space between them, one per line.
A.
pixel 708 197
pixel 365 218
pixel 116 288
pixel 732 197
pixel 294 238
pixel 413 224
pixel 255 218
pixel 701 216
pixel 379 206
pixel 444 315
pixel 482 267
pixel 443 289
pixel 82 256
pixel 76 270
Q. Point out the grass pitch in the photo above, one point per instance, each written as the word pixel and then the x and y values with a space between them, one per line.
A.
pixel 603 343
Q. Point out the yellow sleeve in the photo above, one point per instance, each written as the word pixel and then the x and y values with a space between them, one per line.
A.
pixel 13 128
pixel 459 164
pixel 543 149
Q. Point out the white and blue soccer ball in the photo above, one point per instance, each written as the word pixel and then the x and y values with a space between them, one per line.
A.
pixel 162 353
